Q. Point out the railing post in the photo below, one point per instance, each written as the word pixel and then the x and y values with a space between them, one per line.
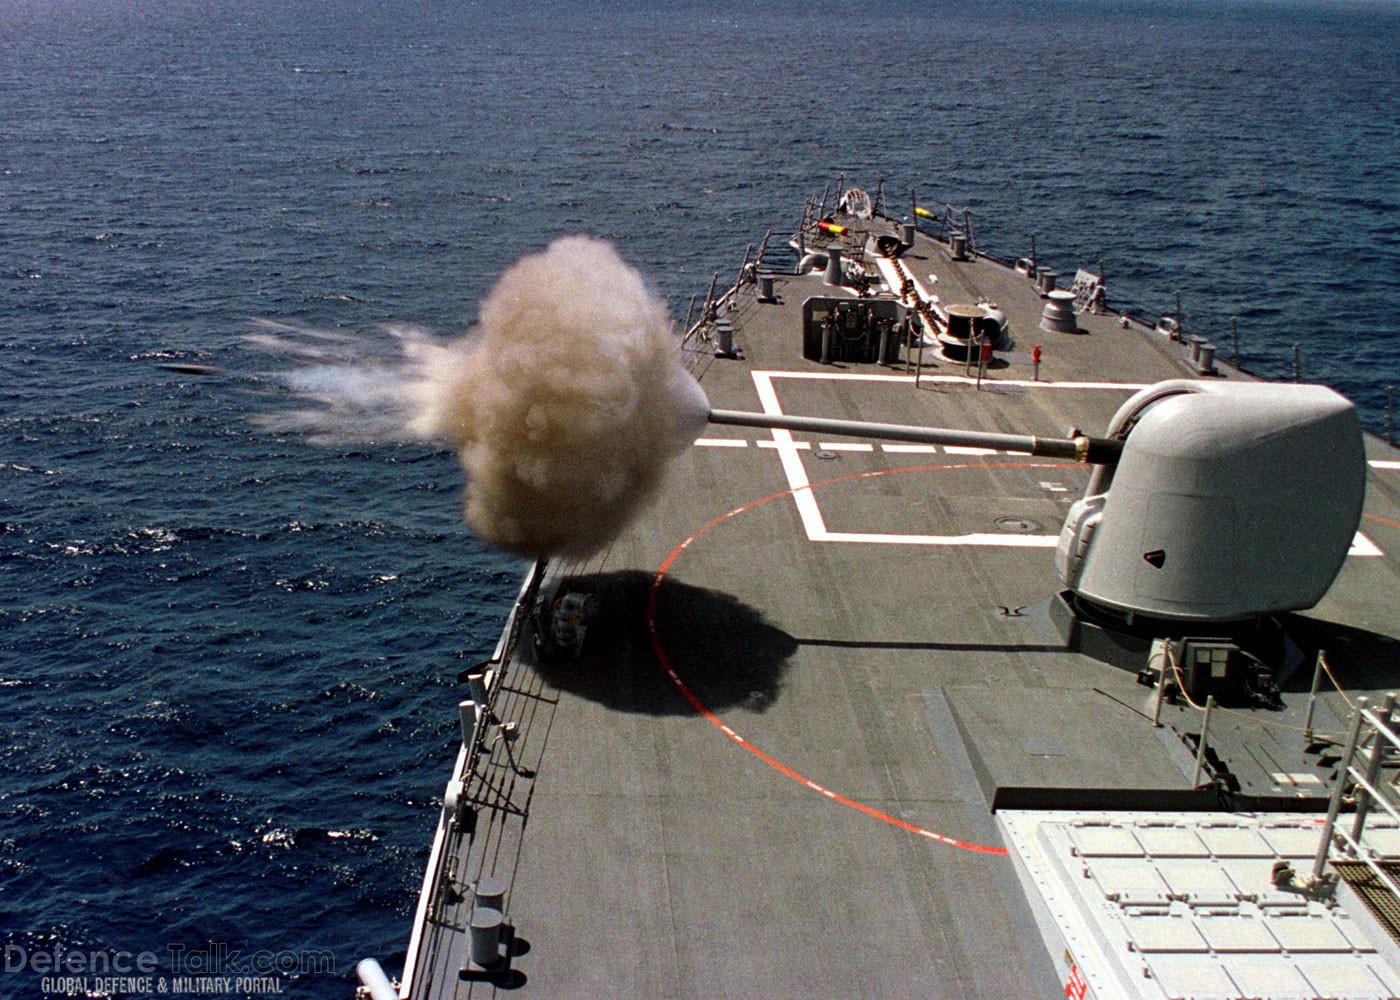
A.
pixel 1334 805
pixel 469 718
pixel 1161 685
pixel 1379 748
pixel 1312 699
pixel 1201 744
pixel 689 312
pixel 1390 414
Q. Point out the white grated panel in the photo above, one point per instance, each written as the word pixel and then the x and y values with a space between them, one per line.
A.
pixel 1355 935
pixel 1188 976
pixel 1171 842
pixel 1255 879
pixel 1127 881
pixel 1150 934
pixel 1338 977
pixel 1234 842
pixel 1292 842
pixel 1384 842
pixel 1237 933
pixel 1104 842
pixel 1308 934
pixel 1274 980
pixel 1198 882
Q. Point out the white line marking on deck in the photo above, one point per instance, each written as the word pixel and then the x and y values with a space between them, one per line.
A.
pixel 789 443
pixel 1378 463
pixel 957 449
pixel 844 446
pixel 721 442
pixel 809 511
pixel 793 469
pixel 975 539
pixel 910 449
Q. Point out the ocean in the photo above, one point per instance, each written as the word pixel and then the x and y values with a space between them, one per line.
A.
pixel 228 653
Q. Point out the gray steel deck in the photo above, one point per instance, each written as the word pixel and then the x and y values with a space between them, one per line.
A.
pixel 889 668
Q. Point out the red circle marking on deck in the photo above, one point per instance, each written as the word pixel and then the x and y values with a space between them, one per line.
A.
pixel 715 720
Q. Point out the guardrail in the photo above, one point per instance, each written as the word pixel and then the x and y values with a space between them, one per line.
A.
pixel 1363 779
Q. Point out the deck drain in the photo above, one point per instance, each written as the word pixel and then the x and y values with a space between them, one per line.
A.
pixel 824 454
pixel 1020 525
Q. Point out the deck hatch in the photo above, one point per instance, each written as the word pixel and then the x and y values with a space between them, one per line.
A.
pixel 1105 842
pixel 1164 933
pixel 1171 842
pixel 1235 842
pixel 1237 933
pixel 1308 934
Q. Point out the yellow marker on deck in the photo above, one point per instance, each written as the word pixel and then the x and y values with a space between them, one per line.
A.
pixel 832 227
pixel 923 213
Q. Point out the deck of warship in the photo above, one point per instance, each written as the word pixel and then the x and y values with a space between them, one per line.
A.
pixel 826 738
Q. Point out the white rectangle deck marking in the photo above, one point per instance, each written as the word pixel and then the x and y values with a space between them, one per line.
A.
pixel 807 508
pixel 962 379
pixel 810 511
pixel 910 449
pixel 721 442
pixel 1363 546
pixel 1295 778
pixel 1380 463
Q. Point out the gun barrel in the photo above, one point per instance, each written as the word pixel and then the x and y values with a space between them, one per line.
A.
pixel 1082 448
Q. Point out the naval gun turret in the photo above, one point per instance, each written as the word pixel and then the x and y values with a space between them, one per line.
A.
pixel 1213 508
pixel 1230 501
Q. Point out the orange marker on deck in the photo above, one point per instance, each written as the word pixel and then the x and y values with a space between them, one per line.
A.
pixel 832 228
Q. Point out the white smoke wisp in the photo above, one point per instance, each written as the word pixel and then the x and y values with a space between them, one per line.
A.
pixel 563 405
pixel 357 389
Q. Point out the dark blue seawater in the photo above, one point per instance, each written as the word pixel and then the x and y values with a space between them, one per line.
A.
pixel 227 655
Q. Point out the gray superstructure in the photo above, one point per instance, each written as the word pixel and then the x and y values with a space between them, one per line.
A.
pixel 829 720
